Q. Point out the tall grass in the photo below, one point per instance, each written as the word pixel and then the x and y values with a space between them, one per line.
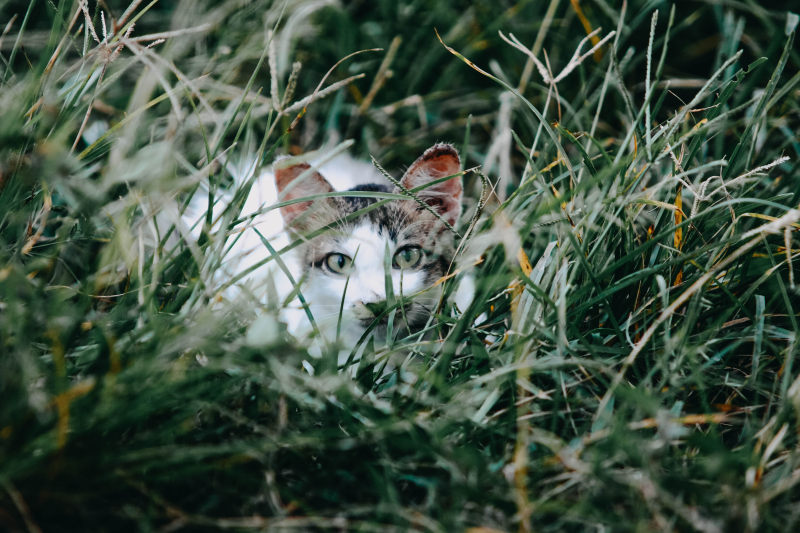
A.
pixel 627 363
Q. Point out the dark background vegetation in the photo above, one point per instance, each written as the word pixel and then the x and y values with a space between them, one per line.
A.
pixel 132 397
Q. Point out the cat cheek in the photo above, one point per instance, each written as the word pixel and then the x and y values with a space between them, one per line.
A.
pixel 411 282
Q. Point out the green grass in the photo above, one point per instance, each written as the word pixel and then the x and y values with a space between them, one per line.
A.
pixel 640 376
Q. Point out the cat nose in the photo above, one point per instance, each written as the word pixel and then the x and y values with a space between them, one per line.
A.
pixel 368 310
pixel 376 308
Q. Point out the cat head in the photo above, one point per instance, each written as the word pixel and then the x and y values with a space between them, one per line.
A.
pixel 404 241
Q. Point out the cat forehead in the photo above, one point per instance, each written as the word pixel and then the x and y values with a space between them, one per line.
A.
pixel 369 240
pixel 365 243
pixel 394 219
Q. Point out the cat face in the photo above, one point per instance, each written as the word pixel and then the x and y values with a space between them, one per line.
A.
pixel 368 266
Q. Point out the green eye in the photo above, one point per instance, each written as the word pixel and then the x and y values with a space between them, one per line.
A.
pixel 338 263
pixel 407 257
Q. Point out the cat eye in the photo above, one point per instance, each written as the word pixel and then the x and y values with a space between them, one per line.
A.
pixel 338 263
pixel 407 257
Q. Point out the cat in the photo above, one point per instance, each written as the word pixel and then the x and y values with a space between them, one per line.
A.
pixel 348 247
pixel 406 241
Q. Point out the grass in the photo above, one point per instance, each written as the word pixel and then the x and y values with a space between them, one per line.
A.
pixel 628 362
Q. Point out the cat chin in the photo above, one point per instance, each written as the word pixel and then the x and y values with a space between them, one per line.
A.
pixel 344 335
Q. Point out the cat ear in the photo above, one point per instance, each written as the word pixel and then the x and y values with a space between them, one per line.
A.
pixel 298 180
pixel 438 161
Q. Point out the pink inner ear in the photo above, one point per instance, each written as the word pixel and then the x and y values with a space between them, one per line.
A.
pixel 438 161
pixel 444 164
pixel 312 183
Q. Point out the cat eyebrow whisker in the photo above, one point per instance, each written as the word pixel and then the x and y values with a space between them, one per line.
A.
pixel 404 218
pixel 342 225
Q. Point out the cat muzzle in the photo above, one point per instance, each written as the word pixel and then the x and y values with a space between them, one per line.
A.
pixel 367 312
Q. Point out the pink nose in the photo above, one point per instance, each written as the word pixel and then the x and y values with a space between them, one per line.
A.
pixel 369 309
pixel 376 308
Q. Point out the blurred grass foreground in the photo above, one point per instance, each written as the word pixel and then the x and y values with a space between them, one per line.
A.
pixel 628 362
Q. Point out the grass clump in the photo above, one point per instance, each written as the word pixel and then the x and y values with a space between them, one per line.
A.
pixel 628 362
